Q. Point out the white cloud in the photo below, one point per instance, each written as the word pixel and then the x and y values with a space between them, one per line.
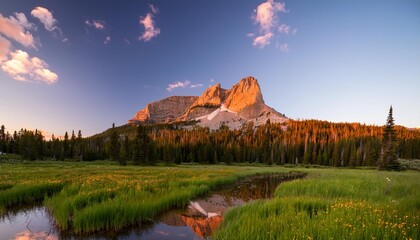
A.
pixel 196 85
pixel 150 29
pixel 97 24
pixel 4 48
pixel 107 40
pixel 178 84
pixel 265 16
pixel 46 18
pixel 16 28
pixel 284 28
pixel 263 40
pixel 22 67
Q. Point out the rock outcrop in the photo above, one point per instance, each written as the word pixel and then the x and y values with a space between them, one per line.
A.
pixel 210 100
pixel 244 94
pixel 164 111
pixel 215 107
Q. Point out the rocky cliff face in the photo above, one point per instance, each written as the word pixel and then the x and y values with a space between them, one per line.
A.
pixel 244 94
pixel 216 106
pixel 164 111
pixel 210 100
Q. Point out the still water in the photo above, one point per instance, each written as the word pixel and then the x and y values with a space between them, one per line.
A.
pixel 197 221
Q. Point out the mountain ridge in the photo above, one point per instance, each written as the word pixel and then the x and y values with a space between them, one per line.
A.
pixel 215 107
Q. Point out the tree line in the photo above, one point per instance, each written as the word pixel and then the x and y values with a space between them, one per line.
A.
pixel 295 142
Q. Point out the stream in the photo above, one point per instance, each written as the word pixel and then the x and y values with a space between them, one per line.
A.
pixel 197 221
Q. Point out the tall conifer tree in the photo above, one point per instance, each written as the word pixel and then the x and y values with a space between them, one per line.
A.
pixel 388 158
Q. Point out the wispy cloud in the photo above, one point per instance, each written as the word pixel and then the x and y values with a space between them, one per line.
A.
pixel 15 27
pixel 153 9
pixel 284 47
pixel 45 17
pixel 97 24
pixel 150 29
pixel 265 16
pixel 107 40
pixel 262 41
pixel 196 85
pixel 284 28
pixel 178 84
pixel 22 67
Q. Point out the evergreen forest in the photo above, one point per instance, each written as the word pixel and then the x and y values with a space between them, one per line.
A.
pixel 308 142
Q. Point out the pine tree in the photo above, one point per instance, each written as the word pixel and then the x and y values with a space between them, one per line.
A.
pixel 389 159
pixel 114 148
pixel 65 146
pixel 2 139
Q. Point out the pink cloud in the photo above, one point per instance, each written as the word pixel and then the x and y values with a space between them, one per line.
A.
pixel 97 24
pixel 15 27
pixel 22 67
pixel 263 40
pixel 150 29
pixel 178 84
pixel 46 18
pixel 153 9
pixel 265 14
pixel 4 48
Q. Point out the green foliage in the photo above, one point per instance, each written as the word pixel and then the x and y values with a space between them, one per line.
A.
pixel 11 195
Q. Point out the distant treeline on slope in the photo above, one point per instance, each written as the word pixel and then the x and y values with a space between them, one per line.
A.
pixel 294 142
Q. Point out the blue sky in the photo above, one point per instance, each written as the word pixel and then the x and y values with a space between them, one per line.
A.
pixel 85 64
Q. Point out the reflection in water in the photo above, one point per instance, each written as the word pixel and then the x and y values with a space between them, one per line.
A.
pixel 202 217
pixel 27 224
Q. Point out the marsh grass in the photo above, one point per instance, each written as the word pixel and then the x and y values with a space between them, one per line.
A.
pixel 104 196
pixel 26 194
pixel 333 204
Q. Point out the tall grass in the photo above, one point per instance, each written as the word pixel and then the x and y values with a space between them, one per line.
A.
pixel 26 194
pixel 333 204
pixel 109 197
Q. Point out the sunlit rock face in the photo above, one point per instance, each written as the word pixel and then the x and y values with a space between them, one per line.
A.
pixel 211 99
pixel 241 104
pixel 165 110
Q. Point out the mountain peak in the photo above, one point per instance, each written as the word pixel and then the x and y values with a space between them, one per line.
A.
pixel 216 106
pixel 211 99
pixel 244 94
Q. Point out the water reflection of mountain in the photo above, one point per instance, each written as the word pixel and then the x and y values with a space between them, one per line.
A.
pixel 204 215
pixel 203 226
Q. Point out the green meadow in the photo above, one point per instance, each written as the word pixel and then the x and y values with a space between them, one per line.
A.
pixel 333 204
pixel 329 203
pixel 88 197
